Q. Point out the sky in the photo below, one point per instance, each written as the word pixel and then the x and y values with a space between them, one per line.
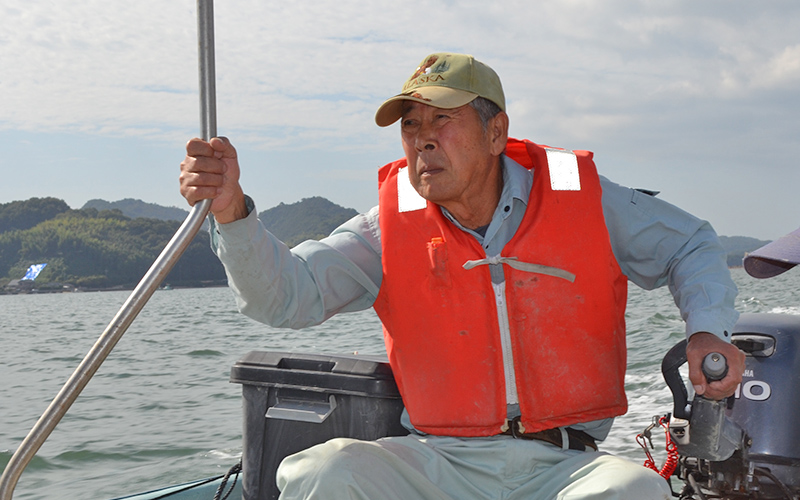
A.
pixel 697 99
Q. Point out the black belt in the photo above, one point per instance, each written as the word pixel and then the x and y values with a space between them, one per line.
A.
pixel 578 440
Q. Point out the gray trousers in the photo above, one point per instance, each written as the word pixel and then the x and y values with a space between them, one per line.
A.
pixel 438 468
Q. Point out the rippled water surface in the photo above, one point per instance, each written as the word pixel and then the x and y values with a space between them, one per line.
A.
pixel 161 409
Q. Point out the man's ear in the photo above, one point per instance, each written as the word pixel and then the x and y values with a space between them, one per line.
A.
pixel 497 128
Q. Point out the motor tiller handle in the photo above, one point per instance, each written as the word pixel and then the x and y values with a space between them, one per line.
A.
pixel 715 366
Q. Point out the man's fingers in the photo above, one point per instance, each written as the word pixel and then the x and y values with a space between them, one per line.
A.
pixel 201 164
pixel 201 178
pixel 700 345
pixel 193 194
pixel 196 186
pixel 222 147
pixel 721 389
pixel 211 171
pixel 198 147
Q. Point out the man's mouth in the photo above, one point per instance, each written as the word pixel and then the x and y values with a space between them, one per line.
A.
pixel 429 170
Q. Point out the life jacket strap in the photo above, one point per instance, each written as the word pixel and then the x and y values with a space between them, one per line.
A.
pixel 519 265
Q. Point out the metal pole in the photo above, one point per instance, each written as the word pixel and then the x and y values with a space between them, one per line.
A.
pixel 143 291
pixel 208 89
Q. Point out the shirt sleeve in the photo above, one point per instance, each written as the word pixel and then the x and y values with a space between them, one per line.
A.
pixel 305 285
pixel 659 244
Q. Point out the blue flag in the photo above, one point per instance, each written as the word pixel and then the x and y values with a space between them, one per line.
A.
pixel 34 271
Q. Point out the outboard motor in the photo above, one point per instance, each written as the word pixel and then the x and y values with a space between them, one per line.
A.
pixel 749 445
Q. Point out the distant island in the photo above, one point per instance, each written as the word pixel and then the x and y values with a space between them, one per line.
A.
pixel 108 245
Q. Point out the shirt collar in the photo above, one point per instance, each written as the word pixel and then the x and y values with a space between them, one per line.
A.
pixel 517 182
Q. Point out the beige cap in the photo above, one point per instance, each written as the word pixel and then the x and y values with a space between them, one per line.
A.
pixel 445 81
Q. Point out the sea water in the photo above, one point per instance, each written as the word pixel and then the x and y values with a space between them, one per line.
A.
pixel 162 411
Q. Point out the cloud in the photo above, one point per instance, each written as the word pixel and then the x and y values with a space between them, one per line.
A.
pixel 648 85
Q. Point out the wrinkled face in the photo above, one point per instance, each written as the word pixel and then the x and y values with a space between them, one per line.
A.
pixel 451 157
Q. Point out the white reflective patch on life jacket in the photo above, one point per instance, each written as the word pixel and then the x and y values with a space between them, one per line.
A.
pixel 563 167
pixel 408 199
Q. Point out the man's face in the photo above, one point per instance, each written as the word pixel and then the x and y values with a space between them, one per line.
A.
pixel 451 157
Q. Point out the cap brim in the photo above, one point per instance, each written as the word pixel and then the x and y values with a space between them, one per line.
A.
pixel 438 97
pixel 774 258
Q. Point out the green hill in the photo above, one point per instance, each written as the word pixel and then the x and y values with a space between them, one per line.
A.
pixel 26 214
pixel 308 219
pixel 138 208
pixel 112 244
pixel 102 249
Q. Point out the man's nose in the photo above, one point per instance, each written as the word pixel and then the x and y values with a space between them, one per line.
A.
pixel 426 138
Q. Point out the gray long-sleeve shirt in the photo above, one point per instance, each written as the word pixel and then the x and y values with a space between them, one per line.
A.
pixel 654 242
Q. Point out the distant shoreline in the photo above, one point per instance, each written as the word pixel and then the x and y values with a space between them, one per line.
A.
pixel 129 288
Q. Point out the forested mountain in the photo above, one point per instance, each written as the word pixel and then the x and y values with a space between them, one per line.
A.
pixel 26 214
pixel 309 219
pixel 102 248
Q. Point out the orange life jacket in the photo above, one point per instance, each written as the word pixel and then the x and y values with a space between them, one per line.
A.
pixel 443 323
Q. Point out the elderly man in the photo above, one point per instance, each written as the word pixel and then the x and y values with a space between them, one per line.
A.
pixel 499 270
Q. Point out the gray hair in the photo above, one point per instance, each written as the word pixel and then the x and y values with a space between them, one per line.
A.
pixel 486 109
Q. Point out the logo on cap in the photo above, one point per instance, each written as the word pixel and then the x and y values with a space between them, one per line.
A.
pixel 425 67
pixel 423 74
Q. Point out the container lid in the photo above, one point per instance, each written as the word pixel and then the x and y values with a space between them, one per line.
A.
pixel 344 374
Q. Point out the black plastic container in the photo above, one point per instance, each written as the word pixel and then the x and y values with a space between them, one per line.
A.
pixel 293 401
